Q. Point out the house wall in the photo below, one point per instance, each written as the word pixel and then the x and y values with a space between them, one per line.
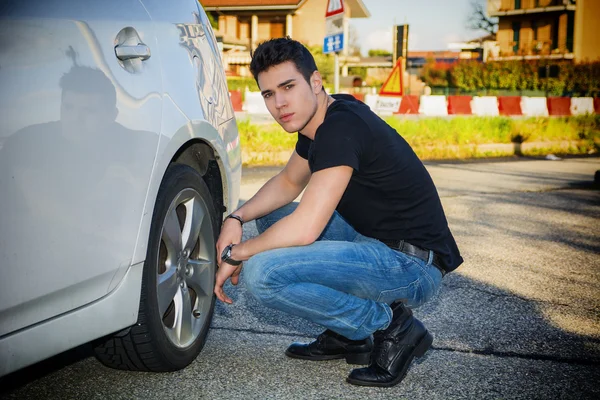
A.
pixel 264 29
pixel 587 30
pixel 309 23
pixel 506 5
pixel 537 33
pixel 244 29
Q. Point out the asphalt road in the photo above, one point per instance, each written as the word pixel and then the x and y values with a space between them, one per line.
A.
pixel 519 319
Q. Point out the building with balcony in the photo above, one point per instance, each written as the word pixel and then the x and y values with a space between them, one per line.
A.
pixel 554 29
pixel 242 24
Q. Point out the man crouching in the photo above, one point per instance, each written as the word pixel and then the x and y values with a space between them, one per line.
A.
pixel 369 239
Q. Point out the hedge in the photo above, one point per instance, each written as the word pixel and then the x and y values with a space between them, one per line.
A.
pixel 573 79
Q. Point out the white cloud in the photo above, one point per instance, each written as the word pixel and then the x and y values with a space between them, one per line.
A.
pixel 383 38
pixel 413 41
pixel 379 39
pixel 451 38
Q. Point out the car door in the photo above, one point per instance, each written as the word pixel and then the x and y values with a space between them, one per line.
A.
pixel 80 107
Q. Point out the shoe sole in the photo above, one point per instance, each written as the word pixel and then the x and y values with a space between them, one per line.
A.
pixel 358 358
pixel 418 352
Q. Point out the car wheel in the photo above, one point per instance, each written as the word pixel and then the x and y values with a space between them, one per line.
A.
pixel 177 300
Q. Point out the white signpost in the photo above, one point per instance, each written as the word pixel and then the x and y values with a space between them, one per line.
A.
pixel 334 36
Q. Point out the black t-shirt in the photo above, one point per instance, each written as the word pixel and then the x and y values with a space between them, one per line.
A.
pixel 390 196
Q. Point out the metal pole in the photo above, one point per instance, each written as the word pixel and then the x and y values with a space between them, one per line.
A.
pixel 336 73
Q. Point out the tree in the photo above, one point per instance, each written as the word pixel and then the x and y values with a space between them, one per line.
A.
pixel 479 20
pixel 325 63
pixel 379 53
pixel 353 44
pixel 213 19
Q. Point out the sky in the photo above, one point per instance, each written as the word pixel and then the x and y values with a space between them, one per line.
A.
pixel 432 23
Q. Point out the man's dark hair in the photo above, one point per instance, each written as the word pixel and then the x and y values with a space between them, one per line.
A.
pixel 276 51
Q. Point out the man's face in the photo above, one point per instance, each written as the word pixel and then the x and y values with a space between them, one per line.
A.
pixel 290 99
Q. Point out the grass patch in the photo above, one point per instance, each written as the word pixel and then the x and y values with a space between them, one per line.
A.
pixel 448 138
pixel 265 138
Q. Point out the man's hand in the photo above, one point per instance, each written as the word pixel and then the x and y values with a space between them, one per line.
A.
pixel 225 272
pixel 231 232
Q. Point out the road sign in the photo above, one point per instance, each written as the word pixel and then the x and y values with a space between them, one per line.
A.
pixel 333 43
pixel 334 36
pixel 393 84
pixel 388 105
pixel 334 7
pixel 334 27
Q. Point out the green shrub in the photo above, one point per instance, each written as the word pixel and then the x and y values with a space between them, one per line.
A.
pixel 580 79
pixel 235 83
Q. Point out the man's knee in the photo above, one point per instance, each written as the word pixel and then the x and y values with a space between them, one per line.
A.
pixel 258 277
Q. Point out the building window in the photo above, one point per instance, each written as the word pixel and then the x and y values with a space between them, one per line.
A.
pixel 516 26
pixel 517 4
pixel 555 25
pixel 534 29
pixel 570 30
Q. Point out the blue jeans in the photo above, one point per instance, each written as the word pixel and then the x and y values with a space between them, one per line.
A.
pixel 344 281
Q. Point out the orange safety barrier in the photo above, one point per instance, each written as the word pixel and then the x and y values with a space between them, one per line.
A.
pixel 359 96
pixel 597 105
pixel 409 104
pixel 236 99
pixel 459 105
pixel 559 105
pixel 509 105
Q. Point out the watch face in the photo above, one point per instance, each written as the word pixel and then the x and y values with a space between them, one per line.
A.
pixel 226 253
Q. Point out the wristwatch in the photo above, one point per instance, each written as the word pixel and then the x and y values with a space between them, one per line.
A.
pixel 234 217
pixel 226 256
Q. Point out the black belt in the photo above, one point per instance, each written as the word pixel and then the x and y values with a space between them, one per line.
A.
pixel 415 251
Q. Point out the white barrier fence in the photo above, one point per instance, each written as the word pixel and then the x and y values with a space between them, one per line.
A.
pixel 582 105
pixel 485 106
pixel 433 106
pixel 254 103
pixel 534 106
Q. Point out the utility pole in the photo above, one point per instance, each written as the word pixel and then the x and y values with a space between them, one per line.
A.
pixel 335 36
pixel 336 72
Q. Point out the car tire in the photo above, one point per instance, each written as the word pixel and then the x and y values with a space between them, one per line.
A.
pixel 177 299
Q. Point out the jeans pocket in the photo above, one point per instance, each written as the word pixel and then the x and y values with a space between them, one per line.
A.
pixel 408 294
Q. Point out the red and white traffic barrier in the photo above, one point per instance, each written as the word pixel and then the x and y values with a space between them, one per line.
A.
pixel 485 106
pixel 455 105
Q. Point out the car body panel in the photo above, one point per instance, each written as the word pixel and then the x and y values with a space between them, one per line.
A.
pixel 117 309
pixel 74 174
pixel 75 205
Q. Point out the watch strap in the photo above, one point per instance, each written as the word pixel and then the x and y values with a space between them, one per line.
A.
pixel 225 256
pixel 237 217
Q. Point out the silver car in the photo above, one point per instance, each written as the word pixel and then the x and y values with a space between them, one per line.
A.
pixel 119 155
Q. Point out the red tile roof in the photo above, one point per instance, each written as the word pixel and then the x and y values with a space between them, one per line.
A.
pixel 248 3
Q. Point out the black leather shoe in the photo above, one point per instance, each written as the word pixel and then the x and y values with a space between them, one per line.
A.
pixel 330 346
pixel 395 348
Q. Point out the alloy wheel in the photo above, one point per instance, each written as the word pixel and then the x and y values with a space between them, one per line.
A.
pixel 186 268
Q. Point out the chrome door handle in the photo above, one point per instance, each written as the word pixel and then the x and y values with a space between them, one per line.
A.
pixel 125 52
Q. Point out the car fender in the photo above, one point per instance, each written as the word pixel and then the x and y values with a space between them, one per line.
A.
pixel 227 154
